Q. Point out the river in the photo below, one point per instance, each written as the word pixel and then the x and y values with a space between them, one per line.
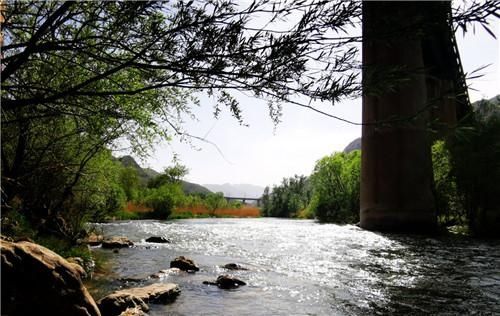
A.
pixel 300 267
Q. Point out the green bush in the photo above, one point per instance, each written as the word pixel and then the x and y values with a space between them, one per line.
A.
pixel 235 204
pixel 129 181
pixel 287 199
pixel 14 224
pixel 335 186
pixel 467 173
pixel 475 164
pixel 214 201
pixel 449 206
pixel 164 199
pixel 125 215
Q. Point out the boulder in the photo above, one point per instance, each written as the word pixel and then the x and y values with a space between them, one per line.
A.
pixel 158 240
pixel 116 303
pixel 116 242
pixel 226 282
pixel 37 281
pixel 6 238
pixel 80 262
pixel 136 311
pixel 119 301
pixel 93 239
pixel 184 264
pixel 234 266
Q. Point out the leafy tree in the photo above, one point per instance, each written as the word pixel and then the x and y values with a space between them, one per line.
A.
pixel 164 199
pixel 172 174
pixel 214 201
pixel 467 172
pixel 129 180
pixel 288 198
pixel 78 76
pixel 266 202
pixel 336 184
pixel 475 164
pixel 448 203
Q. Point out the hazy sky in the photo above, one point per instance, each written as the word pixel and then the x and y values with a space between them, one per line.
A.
pixel 262 155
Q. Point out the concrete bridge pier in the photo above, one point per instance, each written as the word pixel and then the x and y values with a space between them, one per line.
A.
pixel 396 167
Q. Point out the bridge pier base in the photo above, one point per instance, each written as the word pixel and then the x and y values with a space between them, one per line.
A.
pixel 396 166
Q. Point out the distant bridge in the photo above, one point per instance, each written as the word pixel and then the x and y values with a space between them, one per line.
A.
pixel 243 199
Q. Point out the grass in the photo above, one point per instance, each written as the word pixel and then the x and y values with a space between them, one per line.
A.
pixel 64 248
pixel 306 213
pixel 137 208
pixel 134 211
pixel 202 211
pixel 129 215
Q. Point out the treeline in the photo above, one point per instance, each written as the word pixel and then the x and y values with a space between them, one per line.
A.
pixel 466 180
pixel 81 78
pixel 467 172
pixel 330 194
pixel 101 193
pixel 164 193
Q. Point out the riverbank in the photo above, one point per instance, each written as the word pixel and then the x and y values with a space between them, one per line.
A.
pixel 197 211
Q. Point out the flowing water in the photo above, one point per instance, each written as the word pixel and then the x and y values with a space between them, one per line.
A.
pixel 299 267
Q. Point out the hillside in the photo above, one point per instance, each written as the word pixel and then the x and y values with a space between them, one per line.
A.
pixel 190 188
pixel 354 145
pixel 146 174
pixel 486 108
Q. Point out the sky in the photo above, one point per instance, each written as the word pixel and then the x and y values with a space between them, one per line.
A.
pixel 263 154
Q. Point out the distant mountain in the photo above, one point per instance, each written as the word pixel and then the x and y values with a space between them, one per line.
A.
pixel 237 190
pixel 146 174
pixel 487 108
pixel 190 188
pixel 354 145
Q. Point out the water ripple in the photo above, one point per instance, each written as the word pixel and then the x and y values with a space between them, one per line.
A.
pixel 305 268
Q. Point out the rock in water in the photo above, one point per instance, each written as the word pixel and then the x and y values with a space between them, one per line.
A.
pixel 234 266
pixel 226 282
pixel 165 273
pixel 158 240
pixel 93 239
pixel 136 298
pixel 117 303
pixel 116 242
pixel 184 264
pixel 37 281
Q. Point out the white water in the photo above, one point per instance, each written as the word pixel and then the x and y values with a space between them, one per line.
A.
pixel 306 268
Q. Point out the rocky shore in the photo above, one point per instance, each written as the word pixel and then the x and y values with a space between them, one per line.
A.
pixel 37 281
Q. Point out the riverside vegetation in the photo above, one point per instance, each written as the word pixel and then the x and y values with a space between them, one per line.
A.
pixel 82 79
pixel 466 179
pixel 71 94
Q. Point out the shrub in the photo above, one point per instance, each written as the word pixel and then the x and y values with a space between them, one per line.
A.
pixel 475 164
pixel 214 201
pixel 335 186
pixel 163 199
pixel 288 198
pixel 448 204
